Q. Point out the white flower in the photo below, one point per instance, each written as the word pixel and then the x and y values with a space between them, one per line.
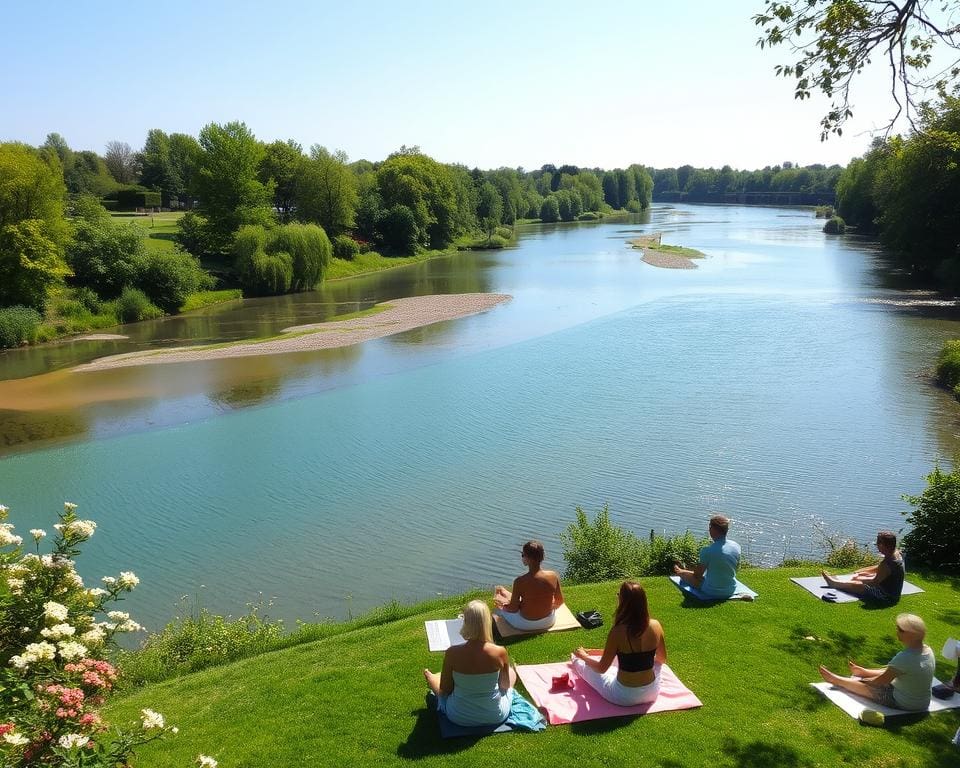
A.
pixel 97 592
pixel 83 528
pixel 15 739
pixel 19 662
pixel 128 580
pixel 151 719
pixel 16 585
pixel 93 636
pixel 109 580
pixel 174 730
pixel 55 611
pixel 70 649
pixel 74 578
pixel 118 615
pixel 128 626
pixel 7 536
pixel 42 651
pixel 58 631
pixel 206 762
pixel 71 740
pixel 37 533
pixel 69 506
pixel 3 509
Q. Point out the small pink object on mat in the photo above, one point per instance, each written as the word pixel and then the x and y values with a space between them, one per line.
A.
pixel 582 702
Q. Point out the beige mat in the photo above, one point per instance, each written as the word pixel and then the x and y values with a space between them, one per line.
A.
pixel 565 620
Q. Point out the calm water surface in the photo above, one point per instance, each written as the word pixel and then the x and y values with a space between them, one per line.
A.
pixel 781 381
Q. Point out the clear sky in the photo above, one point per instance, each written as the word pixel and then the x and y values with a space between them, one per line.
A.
pixel 489 84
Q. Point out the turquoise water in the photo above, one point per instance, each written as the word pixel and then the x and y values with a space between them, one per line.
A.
pixel 770 384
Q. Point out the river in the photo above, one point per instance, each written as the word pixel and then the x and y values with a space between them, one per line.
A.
pixel 784 381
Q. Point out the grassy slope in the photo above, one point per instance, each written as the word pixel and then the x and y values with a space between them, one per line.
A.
pixel 357 698
pixel 159 227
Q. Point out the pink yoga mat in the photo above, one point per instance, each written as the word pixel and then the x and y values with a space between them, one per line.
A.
pixel 583 703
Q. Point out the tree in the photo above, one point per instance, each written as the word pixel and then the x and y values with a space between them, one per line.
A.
pixel 397 229
pixel 154 161
pixel 226 183
pixel 183 159
pixel 833 40
pixel 282 163
pixel 33 229
pixel 103 255
pixel 934 537
pixel 490 208
pixel 426 188
pixel 120 160
pixel 325 191
pixel 550 209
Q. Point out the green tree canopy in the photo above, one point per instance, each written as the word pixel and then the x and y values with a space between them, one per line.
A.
pixel 281 164
pixel 33 229
pixel 427 189
pixel 325 191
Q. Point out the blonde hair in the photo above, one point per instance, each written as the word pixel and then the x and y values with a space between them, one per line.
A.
pixel 477 624
pixel 909 622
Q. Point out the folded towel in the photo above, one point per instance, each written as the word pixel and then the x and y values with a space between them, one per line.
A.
pixel 523 716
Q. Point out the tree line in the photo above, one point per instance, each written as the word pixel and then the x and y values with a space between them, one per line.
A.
pixel 703 183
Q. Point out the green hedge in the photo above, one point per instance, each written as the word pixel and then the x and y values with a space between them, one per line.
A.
pixel 18 325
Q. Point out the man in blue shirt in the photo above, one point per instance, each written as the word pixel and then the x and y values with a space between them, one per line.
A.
pixel 716 574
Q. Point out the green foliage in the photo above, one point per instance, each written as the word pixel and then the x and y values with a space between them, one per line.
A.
pixel 345 247
pixel 397 228
pixel 104 255
pixel 202 299
pixel 598 550
pixel 824 211
pixel 428 190
pixel 260 273
pixel 33 229
pixel 934 539
pixel 849 556
pixel 281 164
pixel 490 208
pixel 132 306
pixel 197 641
pixel 227 184
pixel 169 277
pixel 191 234
pixel 835 225
pixel 131 198
pixel 310 251
pixel 590 216
pixel 663 552
pixel 550 210
pixel 948 366
pixel 18 325
pixel 325 191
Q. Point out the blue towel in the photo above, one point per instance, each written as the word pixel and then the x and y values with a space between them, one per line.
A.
pixel 689 589
pixel 523 717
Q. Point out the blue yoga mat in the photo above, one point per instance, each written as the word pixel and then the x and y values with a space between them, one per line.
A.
pixel 688 589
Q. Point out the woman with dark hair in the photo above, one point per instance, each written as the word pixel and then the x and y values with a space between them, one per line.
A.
pixel 636 642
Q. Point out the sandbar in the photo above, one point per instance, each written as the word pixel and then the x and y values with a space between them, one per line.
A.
pixel 667 260
pixel 398 316
pixel 99 337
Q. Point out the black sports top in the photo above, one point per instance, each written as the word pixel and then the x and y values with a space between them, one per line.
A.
pixel 635 661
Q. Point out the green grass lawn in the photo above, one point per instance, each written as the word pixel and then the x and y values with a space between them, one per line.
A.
pixel 160 227
pixel 357 698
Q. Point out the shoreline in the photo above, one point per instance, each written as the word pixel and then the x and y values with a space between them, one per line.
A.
pixel 395 316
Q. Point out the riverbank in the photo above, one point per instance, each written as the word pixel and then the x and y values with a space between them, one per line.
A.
pixel 758 707
pixel 393 317
pixel 657 254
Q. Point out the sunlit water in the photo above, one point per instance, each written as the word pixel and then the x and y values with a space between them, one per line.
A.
pixel 779 382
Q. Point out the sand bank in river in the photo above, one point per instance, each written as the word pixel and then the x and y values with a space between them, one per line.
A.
pixel 399 315
pixel 666 256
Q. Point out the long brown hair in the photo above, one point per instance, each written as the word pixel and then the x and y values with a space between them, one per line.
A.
pixel 632 610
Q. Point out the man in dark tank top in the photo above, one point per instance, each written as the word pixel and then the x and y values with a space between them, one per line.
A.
pixel 880 583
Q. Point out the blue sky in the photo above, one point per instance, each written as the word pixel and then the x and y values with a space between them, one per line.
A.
pixel 485 84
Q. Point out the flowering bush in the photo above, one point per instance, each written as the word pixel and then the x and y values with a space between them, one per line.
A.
pixel 54 634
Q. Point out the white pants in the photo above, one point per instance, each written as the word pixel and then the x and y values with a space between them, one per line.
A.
pixel 517 621
pixel 613 690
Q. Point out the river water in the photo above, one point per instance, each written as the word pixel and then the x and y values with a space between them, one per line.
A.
pixel 782 382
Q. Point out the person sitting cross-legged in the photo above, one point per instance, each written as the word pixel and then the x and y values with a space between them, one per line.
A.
pixel 475 685
pixel 905 682
pixel 716 574
pixel 881 583
pixel 637 643
pixel 530 606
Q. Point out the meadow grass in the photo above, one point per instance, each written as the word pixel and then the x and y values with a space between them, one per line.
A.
pixel 356 697
pixel 365 263
pixel 202 299
pixel 159 227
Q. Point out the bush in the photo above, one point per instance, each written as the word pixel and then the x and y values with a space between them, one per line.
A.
pixel 345 247
pixel 197 641
pixel 505 232
pixel 588 216
pixel 948 366
pixel 824 211
pixel 598 551
pixel 664 551
pixel 88 299
pixel 131 198
pixel 104 255
pixel 169 277
pixel 550 210
pixel 934 539
pixel 309 249
pixel 192 234
pixel 634 206
pixel 133 306
pixel 55 635
pixel 18 325
pixel 849 556
pixel 835 226
pixel 397 229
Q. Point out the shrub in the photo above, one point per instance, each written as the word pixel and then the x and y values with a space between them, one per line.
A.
pixel 88 299
pixel 934 539
pixel 197 641
pixel 598 551
pixel 104 255
pixel 948 366
pixel 849 556
pixel 664 551
pixel 397 229
pixel 505 232
pixel 634 206
pixel 192 234
pixel 550 210
pixel 835 226
pixel 309 249
pixel 345 247
pixel 133 306
pixel 18 325
pixel 54 638
pixel 588 216
pixel 169 277
pixel 824 211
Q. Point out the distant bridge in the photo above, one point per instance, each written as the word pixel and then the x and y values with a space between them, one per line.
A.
pixel 750 198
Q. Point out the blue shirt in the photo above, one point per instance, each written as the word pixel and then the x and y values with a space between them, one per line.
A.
pixel 721 559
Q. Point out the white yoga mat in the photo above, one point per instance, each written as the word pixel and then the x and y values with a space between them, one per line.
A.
pixel 816 586
pixel 565 620
pixel 441 634
pixel 854 705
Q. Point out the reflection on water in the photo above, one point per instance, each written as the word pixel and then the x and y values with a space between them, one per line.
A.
pixel 784 379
